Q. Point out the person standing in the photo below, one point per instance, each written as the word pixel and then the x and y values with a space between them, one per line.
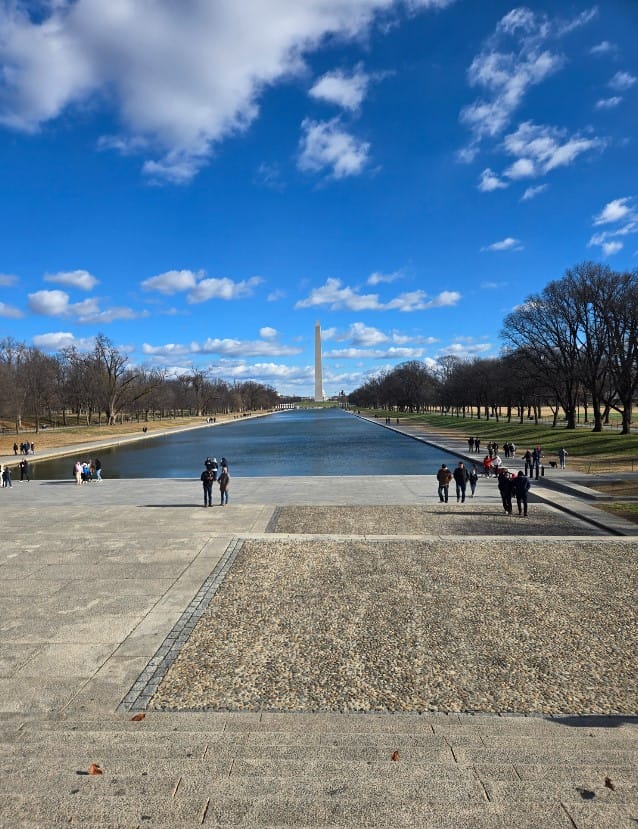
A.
pixel 24 469
pixel 536 462
pixel 6 477
pixel 521 488
pixel 15 448
pixel 443 476
pixel 207 483
pixel 97 465
pixel 224 484
pixel 473 479
pixel 562 454
pixel 77 472
pixel 460 479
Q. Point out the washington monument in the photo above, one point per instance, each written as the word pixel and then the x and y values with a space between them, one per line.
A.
pixel 318 370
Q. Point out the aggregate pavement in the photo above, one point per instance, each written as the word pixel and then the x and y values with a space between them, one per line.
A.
pixel 96 580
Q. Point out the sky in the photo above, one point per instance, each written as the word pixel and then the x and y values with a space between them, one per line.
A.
pixel 202 181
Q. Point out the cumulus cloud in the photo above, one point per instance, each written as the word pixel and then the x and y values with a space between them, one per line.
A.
pixel 540 149
pixel 623 214
pixel 56 341
pixel 343 89
pixel 336 297
pixel 326 146
pixel 391 353
pixel 267 333
pixel 199 287
pixel 514 59
pixel 73 279
pixel 379 278
pixel 181 79
pixel 10 311
pixel 505 244
pixel 365 335
pixel 56 304
pixel 608 103
pixel 602 48
pixel 622 81
pixel 243 348
pixel 490 181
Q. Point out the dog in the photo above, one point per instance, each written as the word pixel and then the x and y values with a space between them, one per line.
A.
pixel 553 464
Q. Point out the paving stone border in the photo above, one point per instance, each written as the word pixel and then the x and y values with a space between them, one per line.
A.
pixel 148 681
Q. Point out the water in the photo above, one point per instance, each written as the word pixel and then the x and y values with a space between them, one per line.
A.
pixel 294 442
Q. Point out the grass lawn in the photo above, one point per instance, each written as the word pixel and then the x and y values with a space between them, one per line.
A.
pixel 587 451
pixel 627 510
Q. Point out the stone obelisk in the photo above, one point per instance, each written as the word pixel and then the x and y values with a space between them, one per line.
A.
pixel 318 369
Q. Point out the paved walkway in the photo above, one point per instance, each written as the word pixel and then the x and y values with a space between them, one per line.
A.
pixel 92 581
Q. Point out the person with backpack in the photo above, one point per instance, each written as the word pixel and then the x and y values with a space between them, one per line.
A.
pixel 207 484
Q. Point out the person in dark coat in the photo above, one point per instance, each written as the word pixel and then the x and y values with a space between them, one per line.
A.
pixel 207 483
pixel 224 483
pixel 473 478
pixel 24 469
pixel 505 488
pixel 460 479
pixel 521 488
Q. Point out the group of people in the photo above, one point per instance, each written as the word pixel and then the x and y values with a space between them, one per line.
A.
pixel 25 448
pixel 86 471
pixel 5 473
pixel 510 486
pixel 211 475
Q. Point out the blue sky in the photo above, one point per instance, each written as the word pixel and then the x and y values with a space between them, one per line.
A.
pixel 202 181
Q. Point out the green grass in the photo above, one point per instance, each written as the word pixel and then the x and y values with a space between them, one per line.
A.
pixel 579 442
pixel 628 511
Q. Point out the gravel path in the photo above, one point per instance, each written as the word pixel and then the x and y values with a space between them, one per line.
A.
pixel 470 518
pixel 495 626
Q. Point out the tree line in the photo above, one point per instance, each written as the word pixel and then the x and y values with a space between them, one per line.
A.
pixel 102 385
pixel 573 344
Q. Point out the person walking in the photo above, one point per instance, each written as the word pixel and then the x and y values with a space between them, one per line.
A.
pixel 77 473
pixel 562 454
pixel 460 479
pixel 207 483
pixel 224 484
pixel 443 476
pixel 521 488
pixel 536 462
pixel 505 488
pixel 6 477
pixel 473 479
pixel 97 465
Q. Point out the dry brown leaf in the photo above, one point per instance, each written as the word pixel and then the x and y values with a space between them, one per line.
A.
pixel 609 783
pixel 94 768
pixel 395 756
pixel 138 717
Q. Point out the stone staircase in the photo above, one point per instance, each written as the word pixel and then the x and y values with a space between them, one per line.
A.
pixel 290 770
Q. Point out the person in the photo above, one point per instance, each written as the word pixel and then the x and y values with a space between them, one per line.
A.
pixel 24 470
pixel 77 472
pixel 473 479
pixel 562 454
pixel 15 448
pixel 496 462
pixel 443 476
pixel 521 488
pixel 527 457
pixel 85 473
pixel 536 462
pixel 224 483
pixel 460 479
pixel 225 464
pixel 477 445
pixel 208 463
pixel 487 466
pixel 207 483
pixel 470 444
pixel 2 483
pixel 6 477
pixel 214 469
pixel 97 465
pixel 505 488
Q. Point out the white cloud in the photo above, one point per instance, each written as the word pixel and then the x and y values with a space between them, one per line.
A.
pixel 325 145
pixel 505 244
pixel 609 248
pixel 10 311
pixel 622 81
pixel 379 278
pixel 345 90
pixel 540 149
pixel 172 282
pixel 602 48
pixel 179 79
pixel 56 341
pixel 532 192
pixel 512 61
pixel 73 279
pixel 614 211
pixel 337 297
pixel 276 295
pixel 168 350
pixel 50 303
pixel 223 289
pixel 243 348
pixel 608 103
pixel 490 181
pixel 7 279
pixel 267 332
pixel 56 304
pixel 365 335
pixel 391 353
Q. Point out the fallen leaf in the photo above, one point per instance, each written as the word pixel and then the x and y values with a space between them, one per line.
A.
pixel 586 794
pixel 395 756
pixel 138 717
pixel 609 783
pixel 95 769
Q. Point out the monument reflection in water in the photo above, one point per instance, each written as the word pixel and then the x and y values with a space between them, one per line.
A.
pixel 292 442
